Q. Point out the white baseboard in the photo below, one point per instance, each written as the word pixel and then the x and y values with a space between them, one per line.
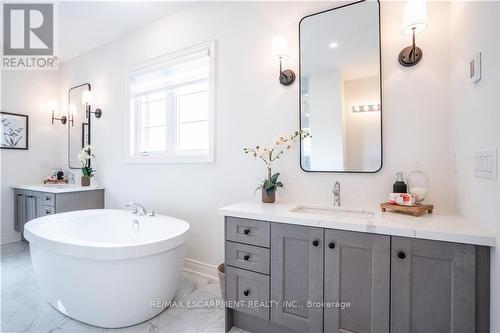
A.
pixel 201 268
pixel 10 238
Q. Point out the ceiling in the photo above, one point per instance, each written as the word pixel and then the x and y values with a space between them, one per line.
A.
pixel 85 25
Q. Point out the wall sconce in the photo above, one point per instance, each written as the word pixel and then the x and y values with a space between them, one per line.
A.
pixel 280 50
pixel 53 107
pixel 366 108
pixel 87 100
pixel 414 22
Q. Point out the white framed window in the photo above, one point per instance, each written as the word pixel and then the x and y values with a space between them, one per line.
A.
pixel 171 107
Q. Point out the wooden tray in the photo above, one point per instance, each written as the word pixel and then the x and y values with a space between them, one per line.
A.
pixel 61 181
pixel 416 210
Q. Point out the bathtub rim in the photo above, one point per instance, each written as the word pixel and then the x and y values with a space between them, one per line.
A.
pixel 106 251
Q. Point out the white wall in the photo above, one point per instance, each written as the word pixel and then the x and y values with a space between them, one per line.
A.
pixel 27 92
pixel 253 108
pixel 474 27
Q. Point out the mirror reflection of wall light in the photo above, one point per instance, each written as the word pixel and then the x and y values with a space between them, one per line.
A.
pixel 366 108
pixel 72 113
pixel 88 100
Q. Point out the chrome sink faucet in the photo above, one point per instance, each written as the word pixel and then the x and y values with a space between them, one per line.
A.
pixel 138 208
pixel 336 194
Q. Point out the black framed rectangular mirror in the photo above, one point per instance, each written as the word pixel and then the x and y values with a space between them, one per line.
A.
pixel 78 124
pixel 340 89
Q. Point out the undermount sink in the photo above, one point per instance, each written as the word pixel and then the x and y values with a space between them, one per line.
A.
pixel 59 185
pixel 336 211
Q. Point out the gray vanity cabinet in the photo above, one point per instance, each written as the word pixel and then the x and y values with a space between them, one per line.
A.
pixel 357 282
pixel 30 205
pixel 433 286
pixel 297 276
pixel 335 281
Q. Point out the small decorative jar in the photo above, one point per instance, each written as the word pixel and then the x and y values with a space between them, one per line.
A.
pixel 85 181
pixel 418 184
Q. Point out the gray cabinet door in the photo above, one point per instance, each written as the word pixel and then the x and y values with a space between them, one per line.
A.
pixel 432 286
pixel 20 210
pixel 357 282
pixel 297 276
pixel 38 204
pixel 33 205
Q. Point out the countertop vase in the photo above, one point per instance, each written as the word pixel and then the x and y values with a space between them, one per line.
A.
pixel 85 181
pixel 268 196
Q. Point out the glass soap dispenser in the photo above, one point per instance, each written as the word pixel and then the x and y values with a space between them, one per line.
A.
pixel 418 184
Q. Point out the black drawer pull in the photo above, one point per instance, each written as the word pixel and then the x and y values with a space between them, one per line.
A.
pixel 246 292
pixel 246 231
pixel 47 198
pixel 331 245
pixel 47 212
pixel 401 255
pixel 246 257
pixel 315 242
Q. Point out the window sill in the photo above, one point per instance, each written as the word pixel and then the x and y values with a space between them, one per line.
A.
pixel 170 159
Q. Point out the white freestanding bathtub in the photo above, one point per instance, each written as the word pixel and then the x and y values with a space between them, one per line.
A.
pixel 107 267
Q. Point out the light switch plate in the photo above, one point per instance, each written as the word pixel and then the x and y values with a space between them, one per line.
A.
pixel 485 163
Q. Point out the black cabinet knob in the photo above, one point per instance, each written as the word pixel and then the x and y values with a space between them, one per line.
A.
pixel 47 212
pixel 246 231
pixel 47 198
pixel 246 257
pixel 401 255
pixel 315 242
pixel 331 245
pixel 246 292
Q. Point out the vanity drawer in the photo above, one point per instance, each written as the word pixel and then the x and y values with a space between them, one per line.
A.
pixel 249 257
pixel 48 210
pixel 49 199
pixel 244 286
pixel 248 231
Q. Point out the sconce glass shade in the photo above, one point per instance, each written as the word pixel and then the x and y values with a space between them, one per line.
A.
pixel 280 47
pixel 53 106
pixel 415 17
pixel 87 98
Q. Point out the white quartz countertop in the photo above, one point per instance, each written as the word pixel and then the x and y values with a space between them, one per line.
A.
pixel 57 188
pixel 435 226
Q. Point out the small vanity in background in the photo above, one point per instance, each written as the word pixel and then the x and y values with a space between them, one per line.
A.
pixel 33 201
pixel 287 265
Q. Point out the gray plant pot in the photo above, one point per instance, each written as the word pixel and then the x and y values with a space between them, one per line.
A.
pixel 268 197
pixel 85 181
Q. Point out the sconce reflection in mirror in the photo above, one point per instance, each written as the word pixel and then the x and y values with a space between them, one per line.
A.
pixel 414 22
pixel 366 108
pixel 87 100
pixel 280 51
pixel 53 107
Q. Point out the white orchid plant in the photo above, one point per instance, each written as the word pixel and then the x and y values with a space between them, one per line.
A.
pixel 270 154
pixel 84 156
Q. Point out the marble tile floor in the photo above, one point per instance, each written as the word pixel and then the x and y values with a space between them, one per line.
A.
pixel 24 310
